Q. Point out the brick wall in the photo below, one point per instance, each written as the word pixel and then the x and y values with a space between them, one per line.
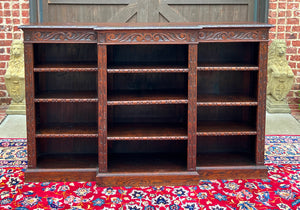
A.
pixel 12 14
pixel 285 15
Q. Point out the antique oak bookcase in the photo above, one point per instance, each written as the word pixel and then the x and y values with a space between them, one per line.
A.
pixel 145 104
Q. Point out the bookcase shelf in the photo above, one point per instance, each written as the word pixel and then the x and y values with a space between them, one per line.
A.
pixel 143 105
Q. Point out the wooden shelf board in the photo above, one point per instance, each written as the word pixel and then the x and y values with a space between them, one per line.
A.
pixel 67 161
pixel 65 67
pixel 67 130
pixel 227 67
pixel 150 162
pixel 139 179
pixel 225 100
pixel 60 175
pixel 145 131
pixel 217 128
pixel 147 69
pixel 224 160
pixel 67 96
pixel 146 97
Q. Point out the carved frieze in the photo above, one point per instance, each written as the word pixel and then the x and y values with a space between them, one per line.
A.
pixel 88 36
pixel 132 37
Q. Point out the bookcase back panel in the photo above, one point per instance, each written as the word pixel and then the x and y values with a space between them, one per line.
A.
pixel 148 114
pixel 239 53
pixel 67 146
pixel 65 54
pixel 65 81
pixel 147 55
pixel 135 147
pixel 148 83
pixel 227 83
pixel 223 113
pixel 66 114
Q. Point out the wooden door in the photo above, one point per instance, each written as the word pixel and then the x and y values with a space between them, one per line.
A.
pixel 63 11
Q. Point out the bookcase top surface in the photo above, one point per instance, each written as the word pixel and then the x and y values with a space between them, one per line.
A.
pixel 146 26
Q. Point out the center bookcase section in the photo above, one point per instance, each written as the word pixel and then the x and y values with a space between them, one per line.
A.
pixel 130 58
pixel 67 153
pixel 147 156
pixel 226 120
pixel 75 86
pixel 227 88
pixel 147 88
pixel 226 151
pixel 147 122
pixel 228 56
pixel 66 120
pixel 59 56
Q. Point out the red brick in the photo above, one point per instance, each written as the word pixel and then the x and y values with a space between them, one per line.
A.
pixel 8 35
pixel 273 14
pixel 16 21
pixel 25 13
pixel 2 35
pixel 272 6
pixel 16 6
pixel 292 6
pixel 272 21
pixel 5 43
pixel 2 79
pixel 6 6
pixel 17 36
pixel 294 21
pixel 7 13
pixel 298 64
pixel 281 21
pixel 16 13
pixel 296 43
pixel 280 36
pixel 25 21
pixel 8 50
pixel 280 14
pixel 281 6
pixel 271 36
pixel 2 65
pixel 25 6
pixel 292 64
pixel 8 21
pixel 2 93
pixel 280 28
pixel 4 57
pixel 291 36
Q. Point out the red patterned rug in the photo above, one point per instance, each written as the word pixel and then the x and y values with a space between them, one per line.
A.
pixel 280 191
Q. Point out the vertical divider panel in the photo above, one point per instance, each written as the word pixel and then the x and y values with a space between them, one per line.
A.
pixel 102 107
pixel 192 107
pixel 30 106
pixel 261 108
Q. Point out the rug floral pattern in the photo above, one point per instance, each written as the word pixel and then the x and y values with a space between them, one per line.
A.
pixel 280 191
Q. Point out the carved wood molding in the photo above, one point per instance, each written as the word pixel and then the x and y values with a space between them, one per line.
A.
pixel 215 35
pixel 85 36
pixel 146 37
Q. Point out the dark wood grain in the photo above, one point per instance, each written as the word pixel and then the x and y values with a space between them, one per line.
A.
pixel 102 108
pixel 145 104
pixel 30 106
pixel 222 128
pixel 61 175
pixel 261 109
pixel 66 96
pixel 225 100
pixel 150 131
pixel 147 179
pixel 233 172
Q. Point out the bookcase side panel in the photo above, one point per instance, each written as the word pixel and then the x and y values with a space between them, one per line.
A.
pixel 30 106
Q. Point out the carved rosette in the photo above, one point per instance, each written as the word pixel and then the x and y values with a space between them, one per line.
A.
pixel 86 36
pixel 130 37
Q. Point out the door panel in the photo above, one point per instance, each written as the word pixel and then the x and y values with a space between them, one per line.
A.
pixel 63 11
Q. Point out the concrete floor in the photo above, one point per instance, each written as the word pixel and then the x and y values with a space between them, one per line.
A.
pixel 14 126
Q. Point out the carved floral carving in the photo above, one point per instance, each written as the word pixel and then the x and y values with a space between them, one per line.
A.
pixel 60 36
pixel 147 37
pixel 231 35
